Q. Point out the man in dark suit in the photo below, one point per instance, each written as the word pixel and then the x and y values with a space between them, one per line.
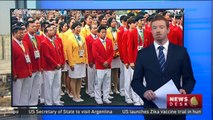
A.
pixel 160 63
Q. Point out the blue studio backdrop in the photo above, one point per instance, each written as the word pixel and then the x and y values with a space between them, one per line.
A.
pixel 197 40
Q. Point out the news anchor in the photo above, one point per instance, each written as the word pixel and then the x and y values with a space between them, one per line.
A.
pixel 159 63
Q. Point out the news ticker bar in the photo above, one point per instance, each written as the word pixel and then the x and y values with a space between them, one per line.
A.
pixel 104 111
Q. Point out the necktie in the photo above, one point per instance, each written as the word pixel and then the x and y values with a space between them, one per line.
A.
pixel 34 41
pixel 141 34
pixel 113 29
pixel 104 43
pixel 95 36
pixel 52 41
pixel 161 58
pixel 79 40
pixel 22 46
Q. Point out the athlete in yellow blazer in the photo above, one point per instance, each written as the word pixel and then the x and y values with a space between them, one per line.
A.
pixel 112 34
pixel 85 31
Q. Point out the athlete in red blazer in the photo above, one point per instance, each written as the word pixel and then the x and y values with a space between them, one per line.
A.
pixel 124 48
pixel 177 36
pixel 36 63
pixel 60 50
pixel 89 41
pixel 21 69
pixel 50 57
pixel 133 43
pixel 101 54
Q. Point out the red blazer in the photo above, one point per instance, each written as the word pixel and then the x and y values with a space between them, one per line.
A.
pixel 60 50
pixel 148 28
pixel 132 43
pixel 19 65
pixel 50 57
pixel 89 42
pixel 36 63
pixel 177 36
pixel 42 37
pixel 120 40
pixel 125 50
pixel 101 54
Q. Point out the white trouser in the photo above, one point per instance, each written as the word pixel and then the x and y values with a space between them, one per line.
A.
pixel 52 87
pixel 91 72
pixel 102 83
pixel 36 85
pixel 128 75
pixel 135 97
pixel 42 89
pixel 21 91
pixel 122 78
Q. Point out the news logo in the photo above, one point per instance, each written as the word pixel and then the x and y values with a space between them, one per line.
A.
pixel 184 101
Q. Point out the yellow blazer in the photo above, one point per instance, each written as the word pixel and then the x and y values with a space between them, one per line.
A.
pixel 114 40
pixel 65 40
pixel 73 51
pixel 85 31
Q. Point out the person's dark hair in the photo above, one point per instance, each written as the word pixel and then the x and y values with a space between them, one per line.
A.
pixel 138 17
pixel 164 13
pixel 69 20
pixel 111 12
pixel 110 21
pixel 126 18
pixel 28 23
pixel 149 19
pixel 130 14
pixel 75 24
pixel 122 17
pixel 101 27
pixel 48 26
pixel 101 17
pixel 61 24
pixel 14 22
pixel 90 27
pixel 160 17
pixel 131 20
pixel 85 18
pixel 51 20
pixel 15 29
pixel 178 16
pixel 43 24
pixel 20 24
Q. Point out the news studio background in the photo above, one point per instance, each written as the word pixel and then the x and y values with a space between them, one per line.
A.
pixel 197 40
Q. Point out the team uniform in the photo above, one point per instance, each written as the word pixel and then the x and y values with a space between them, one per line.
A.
pixel 34 43
pixel 121 31
pixel 103 52
pixel 137 40
pixel 77 56
pixel 22 68
pixel 50 58
pixel 91 60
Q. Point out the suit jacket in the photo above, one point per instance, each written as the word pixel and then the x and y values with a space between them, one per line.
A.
pixel 101 54
pixel 89 42
pixel 177 36
pixel 120 41
pixel 109 35
pixel 60 50
pixel 133 44
pixel 73 51
pixel 20 67
pixel 85 31
pixel 36 63
pixel 177 64
pixel 124 51
pixel 50 56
